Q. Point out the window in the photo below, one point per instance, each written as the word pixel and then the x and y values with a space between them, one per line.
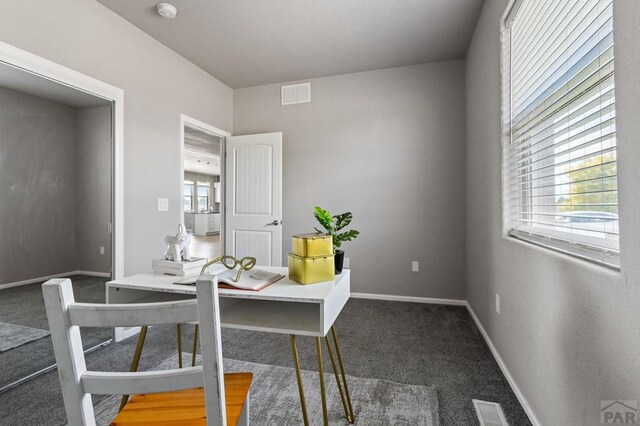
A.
pixel 187 196
pixel 203 196
pixel 559 133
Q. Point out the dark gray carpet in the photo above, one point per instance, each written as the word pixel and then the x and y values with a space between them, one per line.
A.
pixel 24 305
pixel 419 344
pixel 275 401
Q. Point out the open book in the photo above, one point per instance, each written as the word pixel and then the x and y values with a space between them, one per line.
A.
pixel 253 279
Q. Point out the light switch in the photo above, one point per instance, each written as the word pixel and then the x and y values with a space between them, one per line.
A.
pixel 415 266
pixel 163 204
pixel 345 263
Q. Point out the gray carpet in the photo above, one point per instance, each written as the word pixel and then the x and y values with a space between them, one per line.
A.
pixel 275 400
pixel 14 335
pixel 24 305
pixel 411 343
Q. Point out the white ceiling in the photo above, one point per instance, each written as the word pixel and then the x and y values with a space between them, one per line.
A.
pixel 201 152
pixel 252 42
pixel 35 85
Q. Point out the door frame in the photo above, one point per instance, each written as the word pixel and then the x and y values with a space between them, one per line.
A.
pixel 36 65
pixel 188 121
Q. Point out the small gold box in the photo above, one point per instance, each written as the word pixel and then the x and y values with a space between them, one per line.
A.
pixel 309 245
pixel 311 270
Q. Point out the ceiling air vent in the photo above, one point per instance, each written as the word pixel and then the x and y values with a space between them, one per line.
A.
pixel 296 94
pixel 489 413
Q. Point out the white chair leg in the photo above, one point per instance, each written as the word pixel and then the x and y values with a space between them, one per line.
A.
pixel 244 415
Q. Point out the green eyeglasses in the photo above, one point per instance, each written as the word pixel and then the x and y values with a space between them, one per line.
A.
pixel 230 262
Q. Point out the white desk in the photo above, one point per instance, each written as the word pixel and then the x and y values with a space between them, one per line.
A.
pixel 283 307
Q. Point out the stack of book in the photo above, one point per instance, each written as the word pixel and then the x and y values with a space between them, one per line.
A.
pixel 180 269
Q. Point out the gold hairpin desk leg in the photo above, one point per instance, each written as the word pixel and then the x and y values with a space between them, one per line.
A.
pixel 196 333
pixel 179 333
pixel 348 414
pixel 344 377
pixel 136 360
pixel 325 416
pixel 296 361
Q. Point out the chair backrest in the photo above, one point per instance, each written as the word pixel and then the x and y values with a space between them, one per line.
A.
pixel 66 316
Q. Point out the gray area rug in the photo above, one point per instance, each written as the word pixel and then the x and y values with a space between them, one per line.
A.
pixel 275 401
pixel 14 335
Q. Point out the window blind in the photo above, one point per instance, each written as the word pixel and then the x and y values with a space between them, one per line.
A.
pixel 559 134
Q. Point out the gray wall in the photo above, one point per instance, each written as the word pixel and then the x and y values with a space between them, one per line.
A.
pixel 158 84
pixel 93 189
pixel 37 187
pixel 569 331
pixel 387 145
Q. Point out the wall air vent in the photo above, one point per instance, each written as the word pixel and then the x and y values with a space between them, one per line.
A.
pixel 296 94
pixel 489 413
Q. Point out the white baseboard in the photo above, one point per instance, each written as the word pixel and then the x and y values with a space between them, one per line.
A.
pixel 48 277
pixel 494 351
pixel 503 367
pixel 93 274
pixel 393 298
pixel 35 280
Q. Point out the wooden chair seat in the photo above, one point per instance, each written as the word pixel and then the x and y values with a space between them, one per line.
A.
pixel 184 408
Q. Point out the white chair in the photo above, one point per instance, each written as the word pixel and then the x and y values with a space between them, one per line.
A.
pixel 224 399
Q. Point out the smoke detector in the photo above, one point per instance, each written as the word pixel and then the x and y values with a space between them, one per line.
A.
pixel 167 10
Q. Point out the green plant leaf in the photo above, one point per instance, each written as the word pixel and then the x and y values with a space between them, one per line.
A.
pixel 325 219
pixel 348 236
pixel 333 224
pixel 343 220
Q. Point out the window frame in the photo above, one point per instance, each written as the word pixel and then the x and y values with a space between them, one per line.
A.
pixel 199 185
pixel 187 196
pixel 609 258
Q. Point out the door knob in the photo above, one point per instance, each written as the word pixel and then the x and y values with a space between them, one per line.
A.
pixel 276 222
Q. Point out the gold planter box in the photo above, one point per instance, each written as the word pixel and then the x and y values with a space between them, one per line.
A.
pixel 310 245
pixel 311 270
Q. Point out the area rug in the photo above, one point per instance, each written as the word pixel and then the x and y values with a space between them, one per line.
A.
pixel 14 335
pixel 275 401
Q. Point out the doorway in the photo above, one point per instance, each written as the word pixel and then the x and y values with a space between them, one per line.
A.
pixel 202 181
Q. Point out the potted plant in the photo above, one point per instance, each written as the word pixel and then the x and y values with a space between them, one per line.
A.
pixel 333 225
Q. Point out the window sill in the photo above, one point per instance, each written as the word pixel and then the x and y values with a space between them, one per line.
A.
pixel 560 253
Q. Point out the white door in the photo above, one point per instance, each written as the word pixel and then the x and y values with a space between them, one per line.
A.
pixel 253 191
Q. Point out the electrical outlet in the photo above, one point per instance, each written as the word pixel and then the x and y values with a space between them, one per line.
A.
pixel 345 264
pixel 415 266
pixel 498 303
pixel 101 250
pixel 163 204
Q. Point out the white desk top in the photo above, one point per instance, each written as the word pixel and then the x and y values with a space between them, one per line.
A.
pixel 283 290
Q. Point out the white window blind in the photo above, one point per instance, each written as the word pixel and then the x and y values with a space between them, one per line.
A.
pixel 559 134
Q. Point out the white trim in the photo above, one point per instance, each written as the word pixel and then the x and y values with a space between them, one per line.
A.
pixel 459 302
pixel 192 122
pixel 185 120
pixel 393 298
pixel 503 367
pixel 93 274
pixel 35 280
pixel 48 277
pixel 44 68
pixel 509 12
